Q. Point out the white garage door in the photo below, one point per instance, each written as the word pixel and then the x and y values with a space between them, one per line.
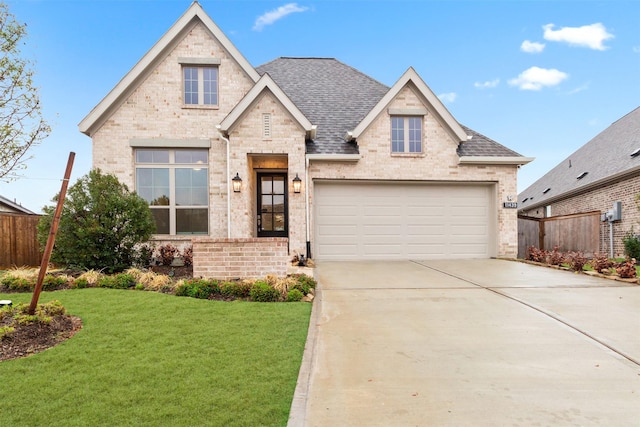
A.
pixel 360 221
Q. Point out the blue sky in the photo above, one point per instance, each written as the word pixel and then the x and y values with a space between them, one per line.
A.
pixel 541 77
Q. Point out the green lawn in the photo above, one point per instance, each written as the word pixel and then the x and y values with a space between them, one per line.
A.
pixel 149 359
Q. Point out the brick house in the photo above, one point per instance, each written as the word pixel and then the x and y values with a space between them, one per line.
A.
pixel 603 171
pixel 298 156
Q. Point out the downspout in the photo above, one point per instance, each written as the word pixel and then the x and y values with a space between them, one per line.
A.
pixel 306 205
pixel 228 182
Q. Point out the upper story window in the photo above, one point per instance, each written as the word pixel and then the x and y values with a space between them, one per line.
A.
pixel 406 134
pixel 200 85
pixel 175 184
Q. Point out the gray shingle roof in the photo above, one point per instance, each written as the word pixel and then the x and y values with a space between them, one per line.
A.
pixel 336 97
pixel 332 95
pixel 480 145
pixel 606 156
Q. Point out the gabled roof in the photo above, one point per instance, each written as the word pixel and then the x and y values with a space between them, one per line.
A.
pixel 611 155
pixel 131 80
pixel 265 83
pixel 410 76
pixel 338 99
pixel 7 205
pixel 332 95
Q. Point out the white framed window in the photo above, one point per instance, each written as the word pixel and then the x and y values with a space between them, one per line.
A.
pixel 406 134
pixel 200 84
pixel 175 183
pixel 547 211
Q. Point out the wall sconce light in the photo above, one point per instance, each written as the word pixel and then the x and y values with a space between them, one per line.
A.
pixel 297 183
pixel 237 183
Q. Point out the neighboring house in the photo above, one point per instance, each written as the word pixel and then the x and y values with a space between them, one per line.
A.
pixel 7 206
pixel 603 171
pixel 298 156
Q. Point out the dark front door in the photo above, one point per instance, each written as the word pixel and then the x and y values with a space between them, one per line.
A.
pixel 273 220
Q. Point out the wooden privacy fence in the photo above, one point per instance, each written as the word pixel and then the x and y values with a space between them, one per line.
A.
pixel 577 232
pixel 18 240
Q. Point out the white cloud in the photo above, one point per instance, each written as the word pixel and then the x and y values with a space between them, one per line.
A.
pixel 448 97
pixel 592 36
pixel 276 14
pixel 535 78
pixel 487 85
pixel 579 89
pixel 531 47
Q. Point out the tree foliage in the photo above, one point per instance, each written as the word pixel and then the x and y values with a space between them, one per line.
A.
pixel 21 123
pixel 101 224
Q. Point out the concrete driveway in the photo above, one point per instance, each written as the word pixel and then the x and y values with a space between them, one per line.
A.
pixel 469 343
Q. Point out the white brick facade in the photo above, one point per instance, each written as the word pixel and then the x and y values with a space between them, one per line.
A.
pixel 152 109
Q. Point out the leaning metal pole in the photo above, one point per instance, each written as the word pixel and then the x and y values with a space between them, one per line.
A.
pixel 52 235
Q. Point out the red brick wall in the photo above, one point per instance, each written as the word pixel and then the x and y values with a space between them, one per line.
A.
pixel 240 258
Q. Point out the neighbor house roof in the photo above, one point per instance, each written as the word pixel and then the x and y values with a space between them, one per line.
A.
pixel 611 155
pixel 341 100
pixel 7 205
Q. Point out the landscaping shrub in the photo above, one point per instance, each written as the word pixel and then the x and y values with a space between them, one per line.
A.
pixel 631 245
pixel 143 255
pixel 536 255
pixel 91 277
pixel 187 256
pixel 235 289
pixel 101 224
pixel 262 292
pixel 601 263
pixel 117 281
pixel 576 260
pixel 168 253
pixel 19 284
pixel 52 283
pixel 555 257
pixel 627 269
pixel 79 283
pixel 294 295
pixel 304 283
pixel 198 288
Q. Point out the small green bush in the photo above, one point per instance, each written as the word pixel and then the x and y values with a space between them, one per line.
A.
pixel 262 292
pixel 235 289
pixel 294 295
pixel 80 283
pixel 304 283
pixel 198 288
pixel 19 284
pixel 52 283
pixel 117 281
pixel 631 243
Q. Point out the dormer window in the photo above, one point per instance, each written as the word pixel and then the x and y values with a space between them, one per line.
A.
pixel 406 134
pixel 200 81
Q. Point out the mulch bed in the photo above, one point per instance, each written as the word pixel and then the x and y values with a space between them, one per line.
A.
pixel 36 337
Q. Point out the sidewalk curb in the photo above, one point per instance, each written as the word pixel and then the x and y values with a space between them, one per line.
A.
pixel 298 412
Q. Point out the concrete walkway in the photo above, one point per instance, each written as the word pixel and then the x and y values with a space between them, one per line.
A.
pixel 469 343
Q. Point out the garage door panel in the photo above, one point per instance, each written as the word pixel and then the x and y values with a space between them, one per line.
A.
pixel 402 221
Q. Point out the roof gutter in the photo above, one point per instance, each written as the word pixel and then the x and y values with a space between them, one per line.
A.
pixel 334 157
pixel 492 160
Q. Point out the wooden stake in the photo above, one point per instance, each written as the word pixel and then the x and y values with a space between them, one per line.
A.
pixel 46 256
